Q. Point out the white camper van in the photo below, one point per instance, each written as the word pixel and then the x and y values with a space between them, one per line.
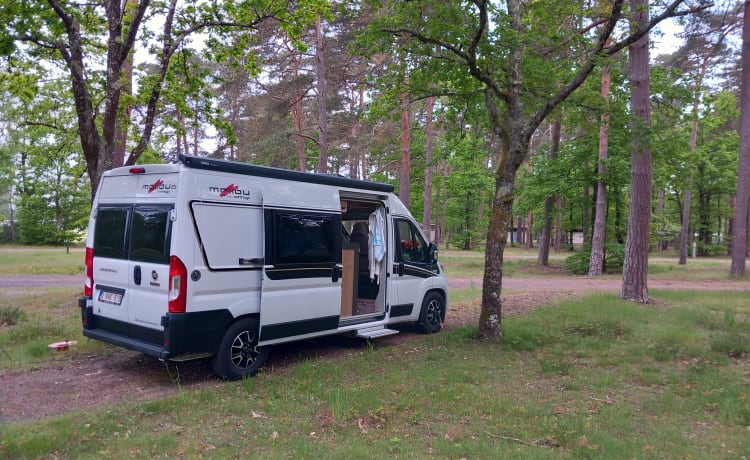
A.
pixel 212 257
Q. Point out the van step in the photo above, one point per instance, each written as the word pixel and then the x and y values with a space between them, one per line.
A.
pixel 373 333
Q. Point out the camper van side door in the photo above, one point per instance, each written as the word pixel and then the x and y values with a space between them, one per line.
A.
pixel 301 287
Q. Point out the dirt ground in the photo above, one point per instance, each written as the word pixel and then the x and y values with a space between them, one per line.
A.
pixel 88 382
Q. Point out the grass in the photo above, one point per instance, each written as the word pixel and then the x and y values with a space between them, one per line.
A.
pixel 471 265
pixel 520 262
pixel 29 323
pixel 592 378
pixel 41 261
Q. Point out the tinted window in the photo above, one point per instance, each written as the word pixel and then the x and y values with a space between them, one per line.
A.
pixel 109 236
pixel 149 237
pixel 412 246
pixel 304 238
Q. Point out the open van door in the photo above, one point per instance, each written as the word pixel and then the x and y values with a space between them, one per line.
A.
pixel 301 287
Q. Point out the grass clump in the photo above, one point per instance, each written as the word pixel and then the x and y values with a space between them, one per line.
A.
pixel 10 315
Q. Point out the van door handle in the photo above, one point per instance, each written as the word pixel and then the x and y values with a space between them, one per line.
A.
pixel 137 275
pixel 336 273
pixel 253 261
pixel 400 269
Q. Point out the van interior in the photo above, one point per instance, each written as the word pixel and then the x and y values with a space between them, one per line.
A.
pixel 363 289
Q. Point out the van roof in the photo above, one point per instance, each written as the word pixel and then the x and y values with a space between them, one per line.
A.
pixel 213 164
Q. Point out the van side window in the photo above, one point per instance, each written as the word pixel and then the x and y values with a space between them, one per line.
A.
pixel 109 236
pixel 150 235
pixel 411 245
pixel 304 238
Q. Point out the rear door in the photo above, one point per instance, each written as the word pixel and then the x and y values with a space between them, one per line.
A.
pixel 131 263
pixel 149 250
pixel 301 288
pixel 111 265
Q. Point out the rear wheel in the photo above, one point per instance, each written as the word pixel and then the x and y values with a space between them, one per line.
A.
pixel 433 313
pixel 239 355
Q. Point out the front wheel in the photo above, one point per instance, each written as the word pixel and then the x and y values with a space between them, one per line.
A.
pixel 433 313
pixel 239 355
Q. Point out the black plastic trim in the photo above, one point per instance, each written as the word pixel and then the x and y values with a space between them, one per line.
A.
pixel 183 333
pixel 213 164
pixel 402 310
pixel 299 272
pixel 291 329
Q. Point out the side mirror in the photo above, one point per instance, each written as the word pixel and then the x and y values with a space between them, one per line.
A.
pixel 433 253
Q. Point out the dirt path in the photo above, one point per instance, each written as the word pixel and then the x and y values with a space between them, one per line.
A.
pixel 88 382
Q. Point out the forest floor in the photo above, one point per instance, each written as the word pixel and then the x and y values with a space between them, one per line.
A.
pixel 87 382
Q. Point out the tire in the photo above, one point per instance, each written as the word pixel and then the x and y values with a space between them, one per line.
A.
pixel 433 313
pixel 238 355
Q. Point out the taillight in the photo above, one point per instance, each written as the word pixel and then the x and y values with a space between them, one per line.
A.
pixel 177 285
pixel 88 285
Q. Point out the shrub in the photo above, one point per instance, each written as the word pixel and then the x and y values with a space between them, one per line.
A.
pixel 614 257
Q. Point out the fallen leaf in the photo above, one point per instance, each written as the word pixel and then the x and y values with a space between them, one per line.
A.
pixel 362 425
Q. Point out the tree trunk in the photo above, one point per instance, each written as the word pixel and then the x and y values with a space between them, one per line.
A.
pixel 429 135
pixel 438 214
pixel 661 219
pixel 121 135
pixel 586 214
pixel 404 181
pixel 558 224
pixel 739 235
pixel 515 138
pixel 322 89
pixel 685 227
pixel 635 268
pixel 596 262
pixel 549 202
pixel 529 243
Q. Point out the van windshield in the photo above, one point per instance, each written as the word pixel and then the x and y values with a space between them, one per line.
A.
pixel 138 233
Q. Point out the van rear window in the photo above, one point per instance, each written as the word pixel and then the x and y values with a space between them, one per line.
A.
pixel 109 236
pixel 149 237
pixel 139 233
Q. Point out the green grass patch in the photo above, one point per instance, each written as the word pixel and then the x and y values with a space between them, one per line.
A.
pixel 465 295
pixel 41 261
pixel 40 319
pixel 471 265
pixel 694 270
pixel 590 378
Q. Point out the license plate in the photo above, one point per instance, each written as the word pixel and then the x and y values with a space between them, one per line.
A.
pixel 114 298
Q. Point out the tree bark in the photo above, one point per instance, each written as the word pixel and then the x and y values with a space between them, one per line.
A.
pixel 549 202
pixel 739 234
pixel 686 205
pixel 635 268
pixel 322 89
pixel 596 262
pixel 428 168
pixel 404 182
